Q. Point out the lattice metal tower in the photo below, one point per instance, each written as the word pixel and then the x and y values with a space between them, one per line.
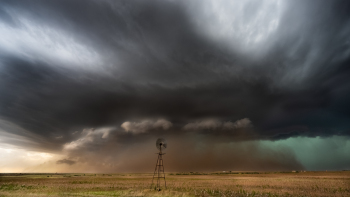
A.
pixel 159 170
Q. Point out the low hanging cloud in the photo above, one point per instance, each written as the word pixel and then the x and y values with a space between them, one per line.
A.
pixel 89 137
pixel 239 124
pixel 205 124
pixel 146 125
pixel 66 161
pixel 212 124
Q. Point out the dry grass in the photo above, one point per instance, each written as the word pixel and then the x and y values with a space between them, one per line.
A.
pixel 214 184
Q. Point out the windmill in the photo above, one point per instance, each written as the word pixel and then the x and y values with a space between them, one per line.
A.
pixel 159 174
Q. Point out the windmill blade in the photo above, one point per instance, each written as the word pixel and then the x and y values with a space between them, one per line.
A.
pixel 161 142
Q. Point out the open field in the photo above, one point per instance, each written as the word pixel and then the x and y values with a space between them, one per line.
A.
pixel 179 184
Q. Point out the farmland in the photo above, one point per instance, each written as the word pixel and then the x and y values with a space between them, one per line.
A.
pixel 179 184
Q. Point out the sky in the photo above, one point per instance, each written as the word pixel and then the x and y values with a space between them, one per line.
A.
pixel 253 85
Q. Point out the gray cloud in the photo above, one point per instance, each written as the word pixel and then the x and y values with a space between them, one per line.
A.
pixel 66 161
pixel 242 123
pixel 205 124
pixel 146 125
pixel 213 124
pixel 89 138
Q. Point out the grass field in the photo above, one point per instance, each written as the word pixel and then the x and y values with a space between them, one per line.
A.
pixel 179 184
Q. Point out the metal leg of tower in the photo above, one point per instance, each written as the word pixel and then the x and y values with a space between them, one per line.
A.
pixel 158 170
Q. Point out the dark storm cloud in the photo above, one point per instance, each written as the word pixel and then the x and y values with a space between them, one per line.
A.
pixel 66 66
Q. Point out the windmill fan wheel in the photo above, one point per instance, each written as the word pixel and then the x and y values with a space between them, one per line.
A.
pixel 161 143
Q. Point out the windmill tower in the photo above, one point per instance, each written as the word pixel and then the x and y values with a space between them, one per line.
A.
pixel 159 174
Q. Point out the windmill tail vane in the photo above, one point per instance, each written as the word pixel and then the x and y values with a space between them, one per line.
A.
pixel 159 174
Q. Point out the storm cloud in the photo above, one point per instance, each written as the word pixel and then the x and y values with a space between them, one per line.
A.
pixel 83 78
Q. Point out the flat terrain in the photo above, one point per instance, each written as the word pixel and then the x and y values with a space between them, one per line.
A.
pixel 179 184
